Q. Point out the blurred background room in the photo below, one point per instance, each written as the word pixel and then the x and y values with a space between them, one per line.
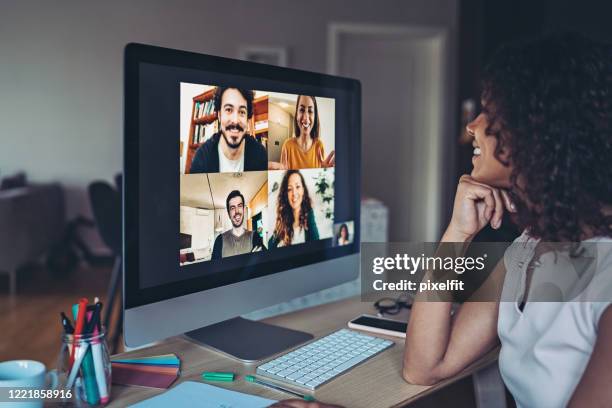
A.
pixel 61 123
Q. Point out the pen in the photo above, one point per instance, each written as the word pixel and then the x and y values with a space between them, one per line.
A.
pixel 81 351
pixel 96 350
pixel 82 315
pixel 80 323
pixel 88 365
pixel 253 379
pixel 68 329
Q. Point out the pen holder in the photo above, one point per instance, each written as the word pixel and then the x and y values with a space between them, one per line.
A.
pixel 84 367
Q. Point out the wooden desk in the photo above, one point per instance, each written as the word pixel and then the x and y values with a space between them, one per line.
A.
pixel 376 383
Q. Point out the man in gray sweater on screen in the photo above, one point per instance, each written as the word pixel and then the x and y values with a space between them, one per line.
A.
pixel 237 240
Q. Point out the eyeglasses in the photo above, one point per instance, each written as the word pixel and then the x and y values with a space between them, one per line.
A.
pixel 391 306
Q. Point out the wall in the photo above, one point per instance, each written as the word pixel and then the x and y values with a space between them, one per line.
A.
pixel 61 66
pixel 199 224
pixel 280 125
pixel 327 118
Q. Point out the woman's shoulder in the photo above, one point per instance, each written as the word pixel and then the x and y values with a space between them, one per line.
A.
pixel 311 219
pixel 523 243
pixel 313 231
pixel 311 215
pixel 519 251
pixel 599 252
pixel 273 242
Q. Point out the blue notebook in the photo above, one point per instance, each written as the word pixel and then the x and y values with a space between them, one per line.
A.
pixel 166 359
pixel 197 394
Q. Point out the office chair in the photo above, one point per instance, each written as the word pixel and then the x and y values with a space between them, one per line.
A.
pixel 106 206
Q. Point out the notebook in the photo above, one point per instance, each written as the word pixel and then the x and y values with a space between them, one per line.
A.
pixel 197 394
pixel 153 371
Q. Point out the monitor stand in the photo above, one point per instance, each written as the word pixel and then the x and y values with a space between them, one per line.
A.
pixel 248 340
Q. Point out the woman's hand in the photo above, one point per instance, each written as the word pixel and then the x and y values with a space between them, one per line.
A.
pixel 272 165
pixel 284 159
pixel 330 161
pixel 476 205
pixel 297 403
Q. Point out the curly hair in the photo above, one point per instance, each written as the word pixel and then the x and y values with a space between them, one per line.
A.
pixel 283 229
pixel 549 105
pixel 246 94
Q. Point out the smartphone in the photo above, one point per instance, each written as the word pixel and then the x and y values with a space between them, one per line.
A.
pixel 379 325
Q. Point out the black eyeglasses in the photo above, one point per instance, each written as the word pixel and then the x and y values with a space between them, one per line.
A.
pixel 391 306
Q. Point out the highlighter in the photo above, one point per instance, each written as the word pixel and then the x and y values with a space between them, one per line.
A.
pixel 89 374
pixel 216 376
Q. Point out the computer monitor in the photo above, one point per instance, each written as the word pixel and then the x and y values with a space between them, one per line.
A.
pixel 241 190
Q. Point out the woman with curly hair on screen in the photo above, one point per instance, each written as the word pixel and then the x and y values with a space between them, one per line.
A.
pixel 542 152
pixel 295 220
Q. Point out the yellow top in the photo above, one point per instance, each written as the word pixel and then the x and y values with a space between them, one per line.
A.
pixel 299 159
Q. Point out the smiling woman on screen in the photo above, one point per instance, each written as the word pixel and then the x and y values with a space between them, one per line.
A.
pixel 306 149
pixel 295 219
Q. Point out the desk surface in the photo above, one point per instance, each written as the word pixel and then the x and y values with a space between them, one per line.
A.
pixel 376 383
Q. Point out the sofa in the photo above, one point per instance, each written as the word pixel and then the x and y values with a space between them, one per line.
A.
pixel 32 219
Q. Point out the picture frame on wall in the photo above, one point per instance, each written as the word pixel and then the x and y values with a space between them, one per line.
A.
pixel 264 55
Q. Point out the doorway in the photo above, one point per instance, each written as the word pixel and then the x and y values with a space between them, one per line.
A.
pixel 405 113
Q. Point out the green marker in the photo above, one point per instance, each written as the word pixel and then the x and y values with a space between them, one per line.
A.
pixel 214 376
pixel 253 379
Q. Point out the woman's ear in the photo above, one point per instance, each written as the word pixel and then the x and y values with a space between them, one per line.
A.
pixel 504 155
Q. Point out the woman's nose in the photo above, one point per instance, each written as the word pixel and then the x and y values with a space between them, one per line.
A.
pixel 470 128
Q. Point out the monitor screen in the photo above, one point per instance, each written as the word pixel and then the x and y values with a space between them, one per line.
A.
pixel 263 180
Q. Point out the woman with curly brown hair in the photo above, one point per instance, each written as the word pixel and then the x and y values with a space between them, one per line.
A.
pixel 543 153
pixel 295 220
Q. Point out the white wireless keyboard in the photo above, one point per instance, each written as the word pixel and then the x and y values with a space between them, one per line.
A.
pixel 316 363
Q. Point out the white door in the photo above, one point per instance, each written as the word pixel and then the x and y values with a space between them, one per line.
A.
pixel 402 75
